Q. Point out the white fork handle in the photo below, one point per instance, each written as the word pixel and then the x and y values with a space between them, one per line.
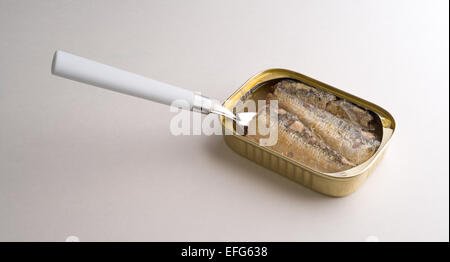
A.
pixel 94 73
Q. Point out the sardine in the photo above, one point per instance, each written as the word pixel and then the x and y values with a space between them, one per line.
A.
pixel 298 142
pixel 328 102
pixel 348 139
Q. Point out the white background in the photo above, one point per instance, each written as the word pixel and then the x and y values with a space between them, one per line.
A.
pixel 81 161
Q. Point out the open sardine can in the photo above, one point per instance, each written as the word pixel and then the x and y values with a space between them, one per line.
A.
pixel 335 184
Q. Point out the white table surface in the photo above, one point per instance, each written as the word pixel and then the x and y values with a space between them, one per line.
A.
pixel 81 161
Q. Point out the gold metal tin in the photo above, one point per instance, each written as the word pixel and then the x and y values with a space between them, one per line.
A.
pixel 332 184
